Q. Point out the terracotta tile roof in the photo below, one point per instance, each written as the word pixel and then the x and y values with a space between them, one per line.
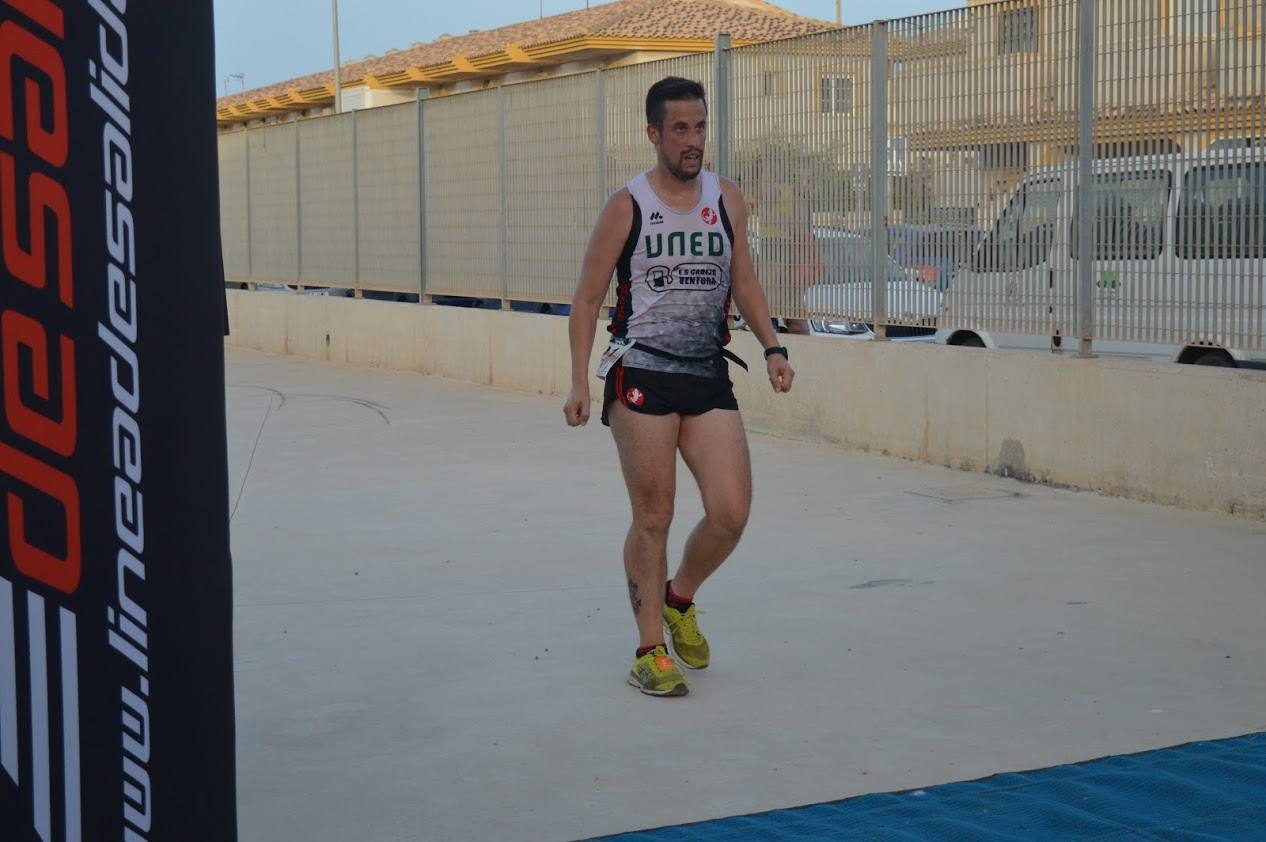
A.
pixel 706 19
pixel 744 19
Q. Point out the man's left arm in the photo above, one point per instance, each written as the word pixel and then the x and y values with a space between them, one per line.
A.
pixel 747 293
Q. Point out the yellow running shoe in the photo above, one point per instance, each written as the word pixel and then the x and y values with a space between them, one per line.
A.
pixel 656 674
pixel 689 644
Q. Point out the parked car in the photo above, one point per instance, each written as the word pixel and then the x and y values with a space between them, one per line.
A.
pixel 847 288
pixel 538 307
pixel 933 252
pixel 292 288
pixel 495 304
pixel 1180 242
pixel 464 301
pixel 398 297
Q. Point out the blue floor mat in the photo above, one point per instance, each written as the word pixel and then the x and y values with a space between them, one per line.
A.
pixel 1201 791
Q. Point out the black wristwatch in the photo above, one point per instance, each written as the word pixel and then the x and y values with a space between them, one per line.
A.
pixel 777 349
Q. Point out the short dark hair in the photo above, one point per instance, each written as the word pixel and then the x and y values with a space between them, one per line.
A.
pixel 670 89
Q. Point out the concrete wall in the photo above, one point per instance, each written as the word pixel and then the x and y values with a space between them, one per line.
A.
pixel 1179 435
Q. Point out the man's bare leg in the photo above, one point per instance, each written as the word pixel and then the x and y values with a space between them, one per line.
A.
pixel 647 445
pixel 714 446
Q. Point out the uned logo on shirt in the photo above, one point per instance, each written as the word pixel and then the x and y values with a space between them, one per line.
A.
pixel 709 216
pixel 697 245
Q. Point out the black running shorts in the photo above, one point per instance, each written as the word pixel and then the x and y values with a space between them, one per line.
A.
pixel 661 393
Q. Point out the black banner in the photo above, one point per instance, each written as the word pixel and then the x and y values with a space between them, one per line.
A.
pixel 116 701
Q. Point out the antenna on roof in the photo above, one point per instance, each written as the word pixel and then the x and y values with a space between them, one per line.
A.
pixel 241 80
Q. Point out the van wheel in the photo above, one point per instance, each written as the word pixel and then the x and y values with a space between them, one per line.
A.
pixel 970 341
pixel 1221 359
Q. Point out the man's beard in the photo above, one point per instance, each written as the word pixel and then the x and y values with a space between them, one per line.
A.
pixel 679 173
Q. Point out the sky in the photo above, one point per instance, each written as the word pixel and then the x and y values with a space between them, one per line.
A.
pixel 274 40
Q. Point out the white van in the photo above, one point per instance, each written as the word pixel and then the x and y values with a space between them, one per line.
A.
pixel 1181 253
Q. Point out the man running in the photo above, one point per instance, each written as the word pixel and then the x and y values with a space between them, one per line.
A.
pixel 676 238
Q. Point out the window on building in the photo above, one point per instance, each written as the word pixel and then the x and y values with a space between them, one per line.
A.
pixel 769 83
pixel 1194 17
pixel 1129 216
pixel 837 94
pixel 1237 143
pixel 1017 31
pixel 1222 212
pixel 1244 18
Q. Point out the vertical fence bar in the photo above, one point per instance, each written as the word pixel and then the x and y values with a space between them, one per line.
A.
pixel 356 203
pixel 600 112
pixel 722 126
pixel 879 178
pixel 502 192
pixel 423 297
pixel 600 145
pixel 298 212
pixel 1087 244
pixel 250 258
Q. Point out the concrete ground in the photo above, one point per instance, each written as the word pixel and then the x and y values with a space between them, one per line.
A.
pixel 432 627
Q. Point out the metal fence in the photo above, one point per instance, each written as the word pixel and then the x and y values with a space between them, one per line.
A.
pixel 463 222
pixel 327 201
pixel 551 185
pixel 802 123
pixel 984 104
pixel 959 208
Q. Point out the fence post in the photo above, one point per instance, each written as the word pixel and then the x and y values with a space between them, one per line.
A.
pixel 423 297
pixel 250 257
pixel 600 114
pixel 356 202
pixel 298 211
pixel 879 178
pixel 505 213
pixel 1086 229
pixel 722 121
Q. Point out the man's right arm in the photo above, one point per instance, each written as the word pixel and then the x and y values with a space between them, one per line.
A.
pixel 605 244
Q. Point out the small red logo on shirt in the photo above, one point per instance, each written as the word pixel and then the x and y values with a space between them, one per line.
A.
pixel 709 216
pixel 635 396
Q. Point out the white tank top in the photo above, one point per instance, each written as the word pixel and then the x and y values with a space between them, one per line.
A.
pixel 673 281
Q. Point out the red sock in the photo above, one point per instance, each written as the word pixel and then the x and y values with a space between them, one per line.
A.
pixel 674 601
pixel 642 650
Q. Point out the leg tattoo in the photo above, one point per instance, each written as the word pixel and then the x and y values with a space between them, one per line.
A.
pixel 634 598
